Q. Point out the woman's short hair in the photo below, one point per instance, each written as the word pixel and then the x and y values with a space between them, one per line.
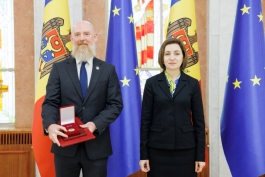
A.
pixel 162 52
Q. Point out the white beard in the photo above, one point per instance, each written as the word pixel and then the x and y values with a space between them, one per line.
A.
pixel 83 53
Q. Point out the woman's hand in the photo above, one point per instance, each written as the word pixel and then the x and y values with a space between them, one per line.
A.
pixel 144 165
pixel 199 166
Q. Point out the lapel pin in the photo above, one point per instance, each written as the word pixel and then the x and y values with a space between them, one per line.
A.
pixel 97 68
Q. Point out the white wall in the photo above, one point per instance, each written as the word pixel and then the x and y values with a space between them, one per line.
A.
pixel 221 17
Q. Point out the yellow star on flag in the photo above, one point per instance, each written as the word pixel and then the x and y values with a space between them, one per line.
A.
pixel 130 18
pixel 125 81
pixel 260 17
pixel 227 77
pixel 255 80
pixel 237 84
pixel 136 71
pixel 116 11
pixel 245 9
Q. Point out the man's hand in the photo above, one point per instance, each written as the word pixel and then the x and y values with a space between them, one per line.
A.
pixel 55 130
pixel 199 166
pixel 144 165
pixel 90 125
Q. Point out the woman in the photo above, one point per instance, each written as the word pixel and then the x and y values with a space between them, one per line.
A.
pixel 172 124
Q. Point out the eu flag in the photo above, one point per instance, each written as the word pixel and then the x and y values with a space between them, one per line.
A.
pixel 121 52
pixel 243 116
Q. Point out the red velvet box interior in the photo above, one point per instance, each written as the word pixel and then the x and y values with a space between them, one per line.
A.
pixel 72 129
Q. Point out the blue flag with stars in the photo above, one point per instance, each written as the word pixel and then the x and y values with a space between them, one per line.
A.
pixel 121 52
pixel 243 116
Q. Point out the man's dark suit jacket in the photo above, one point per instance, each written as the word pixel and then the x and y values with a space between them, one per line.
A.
pixel 172 122
pixel 102 104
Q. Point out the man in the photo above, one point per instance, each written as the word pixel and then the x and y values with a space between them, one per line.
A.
pixel 97 105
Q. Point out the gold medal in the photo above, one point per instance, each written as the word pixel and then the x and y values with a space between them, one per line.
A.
pixel 71 129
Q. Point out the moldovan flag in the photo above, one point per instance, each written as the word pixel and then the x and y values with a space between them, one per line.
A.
pixel 182 25
pixel 121 52
pixel 243 121
pixel 55 46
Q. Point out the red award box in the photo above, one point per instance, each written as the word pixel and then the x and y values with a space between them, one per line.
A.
pixel 67 116
pixel 77 135
pixel 84 135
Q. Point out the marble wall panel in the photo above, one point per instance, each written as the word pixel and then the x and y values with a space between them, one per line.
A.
pixel 202 30
pixel 24 62
pixel 96 13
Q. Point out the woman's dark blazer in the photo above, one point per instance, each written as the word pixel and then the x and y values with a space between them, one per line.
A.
pixel 172 122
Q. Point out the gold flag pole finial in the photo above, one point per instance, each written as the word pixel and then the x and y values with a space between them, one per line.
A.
pixel 3 88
